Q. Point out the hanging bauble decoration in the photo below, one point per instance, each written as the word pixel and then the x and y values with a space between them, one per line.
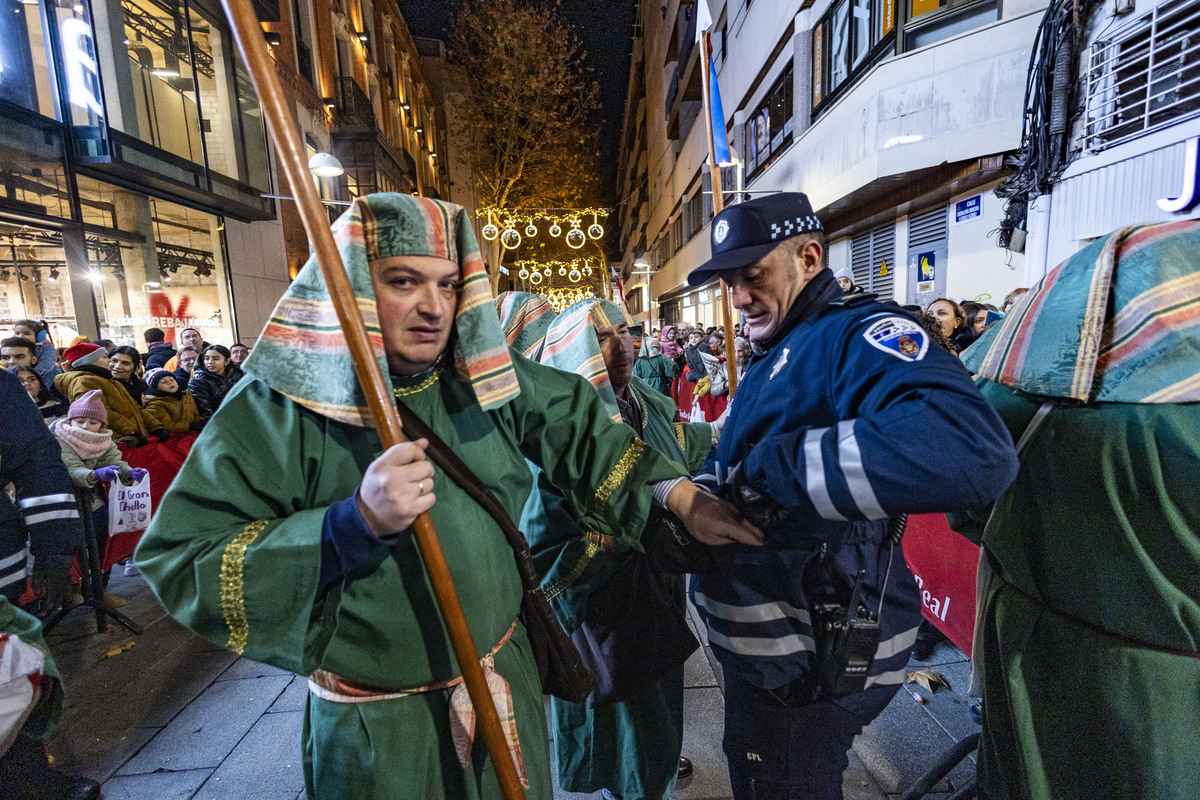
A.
pixel 524 273
pixel 490 232
pixel 531 230
pixel 594 230
pixel 575 237
pixel 535 278
pixel 574 275
pixel 562 272
pixel 546 272
pixel 511 238
pixel 555 230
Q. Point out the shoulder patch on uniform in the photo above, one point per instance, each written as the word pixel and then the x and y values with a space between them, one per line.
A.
pixel 898 336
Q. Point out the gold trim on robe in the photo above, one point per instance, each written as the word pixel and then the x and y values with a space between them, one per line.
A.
pixel 620 471
pixel 233 598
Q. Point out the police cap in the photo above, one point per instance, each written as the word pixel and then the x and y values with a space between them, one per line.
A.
pixel 745 232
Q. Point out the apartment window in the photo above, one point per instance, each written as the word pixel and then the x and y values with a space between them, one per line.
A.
pixel 851 36
pixel 693 210
pixel 1145 75
pixel 769 129
pixel 302 25
pixel 719 41
pixel 930 21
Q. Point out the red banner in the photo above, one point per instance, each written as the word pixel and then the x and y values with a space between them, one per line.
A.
pixel 945 564
pixel 162 460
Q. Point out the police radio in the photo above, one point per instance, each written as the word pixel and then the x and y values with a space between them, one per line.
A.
pixel 847 638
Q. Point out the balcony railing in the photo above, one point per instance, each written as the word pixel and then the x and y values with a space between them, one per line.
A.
pixel 353 106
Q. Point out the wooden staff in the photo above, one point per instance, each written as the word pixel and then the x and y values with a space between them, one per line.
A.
pixel 718 196
pixel 248 34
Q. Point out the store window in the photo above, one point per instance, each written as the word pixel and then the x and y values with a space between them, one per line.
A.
pixel 161 265
pixel 769 129
pixel 305 40
pixel 33 280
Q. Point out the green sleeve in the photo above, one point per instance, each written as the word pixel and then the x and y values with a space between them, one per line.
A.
pixel 601 465
pixel 698 443
pixel 81 474
pixel 233 550
pixel 28 629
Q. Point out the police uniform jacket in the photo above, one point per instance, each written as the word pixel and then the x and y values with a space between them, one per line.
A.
pixel 45 514
pixel 848 417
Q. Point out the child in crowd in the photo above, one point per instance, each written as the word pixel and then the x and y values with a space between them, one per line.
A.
pixel 38 332
pixel 52 404
pixel 92 457
pixel 169 406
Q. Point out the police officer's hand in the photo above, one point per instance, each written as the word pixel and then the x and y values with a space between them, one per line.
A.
pixel 397 488
pixel 710 519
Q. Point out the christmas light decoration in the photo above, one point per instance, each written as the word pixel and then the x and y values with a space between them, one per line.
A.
pixel 527 220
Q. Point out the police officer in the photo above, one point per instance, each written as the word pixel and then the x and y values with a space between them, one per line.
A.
pixel 846 418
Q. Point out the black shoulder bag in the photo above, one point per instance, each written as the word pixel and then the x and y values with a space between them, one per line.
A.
pixel 560 668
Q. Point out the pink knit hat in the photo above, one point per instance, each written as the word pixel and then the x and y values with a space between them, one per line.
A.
pixel 88 405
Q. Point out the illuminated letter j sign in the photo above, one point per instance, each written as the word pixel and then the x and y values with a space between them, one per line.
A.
pixel 1190 195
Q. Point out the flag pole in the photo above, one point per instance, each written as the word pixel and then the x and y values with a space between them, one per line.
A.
pixel 248 34
pixel 718 200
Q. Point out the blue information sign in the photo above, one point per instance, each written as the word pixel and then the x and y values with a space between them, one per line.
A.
pixel 969 209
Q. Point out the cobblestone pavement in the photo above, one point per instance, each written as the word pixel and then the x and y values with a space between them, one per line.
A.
pixel 175 717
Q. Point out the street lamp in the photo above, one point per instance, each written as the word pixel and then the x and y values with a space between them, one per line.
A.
pixel 642 267
pixel 324 165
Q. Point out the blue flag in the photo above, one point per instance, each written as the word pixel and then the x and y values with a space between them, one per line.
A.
pixel 720 140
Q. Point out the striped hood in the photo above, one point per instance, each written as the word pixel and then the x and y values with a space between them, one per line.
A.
pixel 302 352
pixel 572 346
pixel 1118 322
pixel 525 318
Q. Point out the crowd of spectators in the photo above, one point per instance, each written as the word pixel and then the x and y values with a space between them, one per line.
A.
pixel 687 362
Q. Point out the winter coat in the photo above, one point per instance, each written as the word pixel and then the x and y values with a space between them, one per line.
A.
pixel 124 415
pixel 210 389
pixel 670 348
pixel 81 468
pixel 167 412
pixel 47 366
pixel 158 356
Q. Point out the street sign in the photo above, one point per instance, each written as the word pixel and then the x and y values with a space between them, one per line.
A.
pixel 969 209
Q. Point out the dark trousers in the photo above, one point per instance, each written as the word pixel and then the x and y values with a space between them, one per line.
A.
pixel 791 743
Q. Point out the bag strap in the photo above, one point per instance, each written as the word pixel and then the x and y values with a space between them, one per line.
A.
pixel 460 473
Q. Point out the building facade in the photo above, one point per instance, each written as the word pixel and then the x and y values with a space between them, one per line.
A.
pixel 894 116
pixel 136 168
pixel 1136 144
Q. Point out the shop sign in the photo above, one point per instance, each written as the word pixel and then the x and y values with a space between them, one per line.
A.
pixel 969 209
pixel 1190 195
pixel 164 322
pixel 83 75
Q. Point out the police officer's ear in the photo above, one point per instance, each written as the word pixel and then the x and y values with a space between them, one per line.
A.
pixel 807 257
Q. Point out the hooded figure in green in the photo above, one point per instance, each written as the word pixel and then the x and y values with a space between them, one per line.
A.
pixel 630 748
pixel 1087 646
pixel 287 535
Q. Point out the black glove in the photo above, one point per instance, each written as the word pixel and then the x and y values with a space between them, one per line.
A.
pixel 198 425
pixel 162 434
pixel 757 508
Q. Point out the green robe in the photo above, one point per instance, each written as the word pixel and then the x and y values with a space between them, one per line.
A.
pixel 27 628
pixel 1097 555
pixel 631 748
pixel 234 553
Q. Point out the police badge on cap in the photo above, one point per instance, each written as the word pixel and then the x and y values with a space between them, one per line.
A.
pixel 744 233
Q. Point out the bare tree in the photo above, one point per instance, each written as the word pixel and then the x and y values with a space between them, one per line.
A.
pixel 530 117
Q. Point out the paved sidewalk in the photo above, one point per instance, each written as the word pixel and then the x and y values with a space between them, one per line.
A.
pixel 174 716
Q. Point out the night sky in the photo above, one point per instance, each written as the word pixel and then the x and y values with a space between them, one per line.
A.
pixel 605 31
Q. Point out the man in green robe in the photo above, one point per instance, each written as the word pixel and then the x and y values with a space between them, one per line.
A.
pixel 629 750
pixel 1089 631
pixel 286 536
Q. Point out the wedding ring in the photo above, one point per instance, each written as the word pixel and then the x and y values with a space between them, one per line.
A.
pixel 420 487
